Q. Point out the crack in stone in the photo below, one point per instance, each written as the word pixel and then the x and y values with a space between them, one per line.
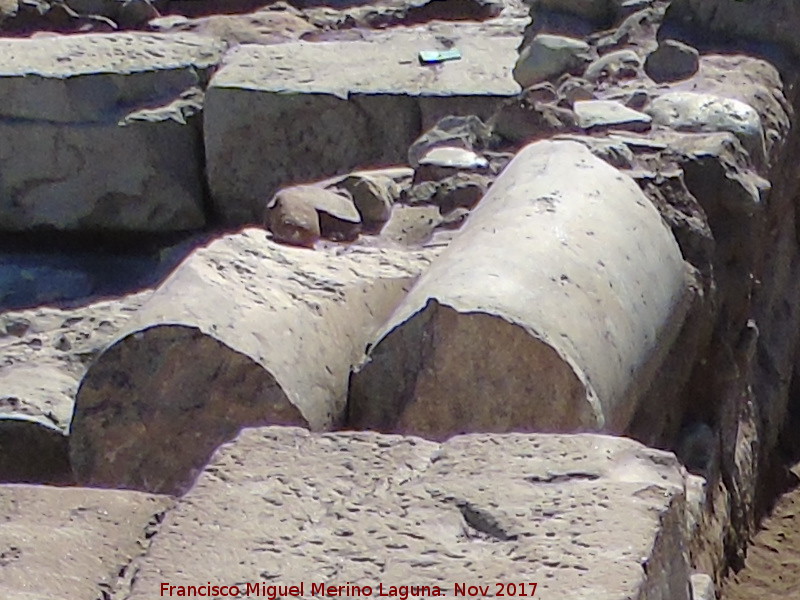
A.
pixel 126 577
pixel 563 477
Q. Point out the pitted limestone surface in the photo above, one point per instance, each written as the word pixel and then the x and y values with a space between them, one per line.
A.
pixel 579 515
pixel 70 56
pixel 72 544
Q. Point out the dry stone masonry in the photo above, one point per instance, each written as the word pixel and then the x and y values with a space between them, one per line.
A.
pixel 427 293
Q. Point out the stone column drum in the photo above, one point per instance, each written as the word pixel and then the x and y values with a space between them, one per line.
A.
pixel 550 311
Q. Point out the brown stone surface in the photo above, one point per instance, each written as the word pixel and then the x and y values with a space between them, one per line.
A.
pixel 45 352
pixel 302 214
pixel 245 332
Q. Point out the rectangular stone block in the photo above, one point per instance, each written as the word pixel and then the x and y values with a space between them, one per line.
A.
pixel 581 516
pixel 298 112
pixel 102 132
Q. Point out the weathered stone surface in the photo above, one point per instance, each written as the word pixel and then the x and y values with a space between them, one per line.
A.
pixel 702 587
pixel 755 82
pixel 622 64
pixel 694 111
pixel 302 214
pixel 447 161
pixel 672 61
pixel 548 56
pixel 766 21
pixel 467 132
pixel 45 353
pixel 73 544
pixel 522 120
pixel 104 8
pixel 614 151
pixel 638 29
pixel 638 99
pixel 462 190
pixel 373 192
pixel 277 115
pixel 453 158
pixel 293 220
pixel 273 24
pixel 578 515
pixel 498 160
pixel 135 13
pixel 733 197
pixel 742 229
pixel 102 132
pixel 411 225
pixel 245 332
pixel 8 9
pixel 455 218
pixel 35 17
pixel 542 92
pixel 550 316
pixel 609 113
pixel 391 13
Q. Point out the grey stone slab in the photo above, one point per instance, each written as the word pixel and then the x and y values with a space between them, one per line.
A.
pixel 581 516
pixel 91 78
pixel 381 65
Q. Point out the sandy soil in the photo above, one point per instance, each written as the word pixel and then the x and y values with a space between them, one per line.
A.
pixel 772 567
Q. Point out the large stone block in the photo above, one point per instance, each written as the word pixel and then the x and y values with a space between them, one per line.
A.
pixel 768 22
pixel 293 113
pixel 102 132
pixel 581 516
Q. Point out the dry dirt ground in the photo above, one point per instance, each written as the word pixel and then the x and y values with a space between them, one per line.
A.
pixel 772 568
